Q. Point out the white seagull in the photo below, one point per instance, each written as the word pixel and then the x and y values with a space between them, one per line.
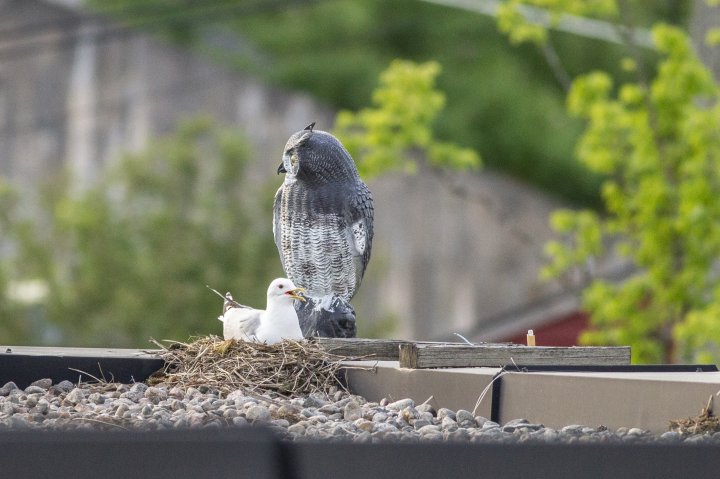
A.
pixel 279 321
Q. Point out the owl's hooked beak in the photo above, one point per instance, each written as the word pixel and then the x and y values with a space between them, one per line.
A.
pixel 281 168
pixel 294 293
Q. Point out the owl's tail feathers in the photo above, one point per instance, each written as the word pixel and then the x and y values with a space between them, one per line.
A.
pixel 326 317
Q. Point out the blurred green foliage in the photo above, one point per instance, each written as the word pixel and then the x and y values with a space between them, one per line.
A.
pixel 501 100
pixel 397 132
pixel 12 329
pixel 129 258
pixel 386 326
pixel 656 140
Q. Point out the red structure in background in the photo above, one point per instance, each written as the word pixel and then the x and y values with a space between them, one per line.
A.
pixel 564 331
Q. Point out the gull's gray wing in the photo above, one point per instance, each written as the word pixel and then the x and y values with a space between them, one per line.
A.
pixel 241 323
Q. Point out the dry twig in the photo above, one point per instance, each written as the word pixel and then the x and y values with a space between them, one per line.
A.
pixel 704 423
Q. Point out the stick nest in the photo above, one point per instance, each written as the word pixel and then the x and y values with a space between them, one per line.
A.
pixel 289 368
pixel 704 423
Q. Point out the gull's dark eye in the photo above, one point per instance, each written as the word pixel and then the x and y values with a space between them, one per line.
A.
pixel 281 286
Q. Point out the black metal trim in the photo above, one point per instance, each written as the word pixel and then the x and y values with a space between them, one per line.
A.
pixel 179 453
pixel 24 369
pixel 256 452
pixel 496 396
pixel 467 460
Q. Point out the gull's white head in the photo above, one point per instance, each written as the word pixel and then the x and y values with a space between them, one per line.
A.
pixel 284 290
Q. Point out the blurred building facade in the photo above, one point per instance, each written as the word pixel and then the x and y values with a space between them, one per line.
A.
pixel 76 91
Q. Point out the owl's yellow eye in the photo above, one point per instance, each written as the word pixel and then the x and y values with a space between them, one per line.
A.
pixel 293 159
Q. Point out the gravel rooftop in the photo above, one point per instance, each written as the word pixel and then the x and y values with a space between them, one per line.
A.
pixel 334 416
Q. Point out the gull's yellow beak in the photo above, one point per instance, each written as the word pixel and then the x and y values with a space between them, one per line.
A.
pixel 295 294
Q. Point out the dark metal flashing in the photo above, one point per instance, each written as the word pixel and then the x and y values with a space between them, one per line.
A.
pixel 256 452
pixel 496 395
pixel 462 460
pixel 217 453
pixel 24 365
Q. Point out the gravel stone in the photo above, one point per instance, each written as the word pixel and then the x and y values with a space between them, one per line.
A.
pixel 385 428
pixel 139 388
pixel 75 396
pixel 410 414
pixel 430 428
pixel 318 418
pixel 530 427
pixel 379 417
pixel 425 407
pixel 572 429
pixel 121 410
pixel 401 404
pixel 314 401
pixel 549 435
pixel 64 386
pixel 284 423
pixel 460 434
pixel 156 394
pixel 420 423
pixel 444 412
pixel 43 406
pixel 44 383
pixel 464 417
pixel 257 413
pixel 34 390
pixel 449 423
pixel 239 421
pixel 365 425
pixel 352 411
pixel 332 408
pixel 7 408
pixel 297 429
pixel 7 387
pixel 517 422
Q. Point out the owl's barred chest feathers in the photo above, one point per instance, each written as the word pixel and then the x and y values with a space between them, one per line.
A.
pixel 314 240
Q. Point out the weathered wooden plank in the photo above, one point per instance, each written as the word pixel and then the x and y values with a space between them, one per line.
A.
pixel 418 356
pixel 376 349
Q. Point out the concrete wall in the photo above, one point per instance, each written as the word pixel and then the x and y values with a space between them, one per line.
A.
pixel 75 92
pixel 447 261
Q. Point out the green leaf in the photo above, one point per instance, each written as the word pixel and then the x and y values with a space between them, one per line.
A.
pixel 397 133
